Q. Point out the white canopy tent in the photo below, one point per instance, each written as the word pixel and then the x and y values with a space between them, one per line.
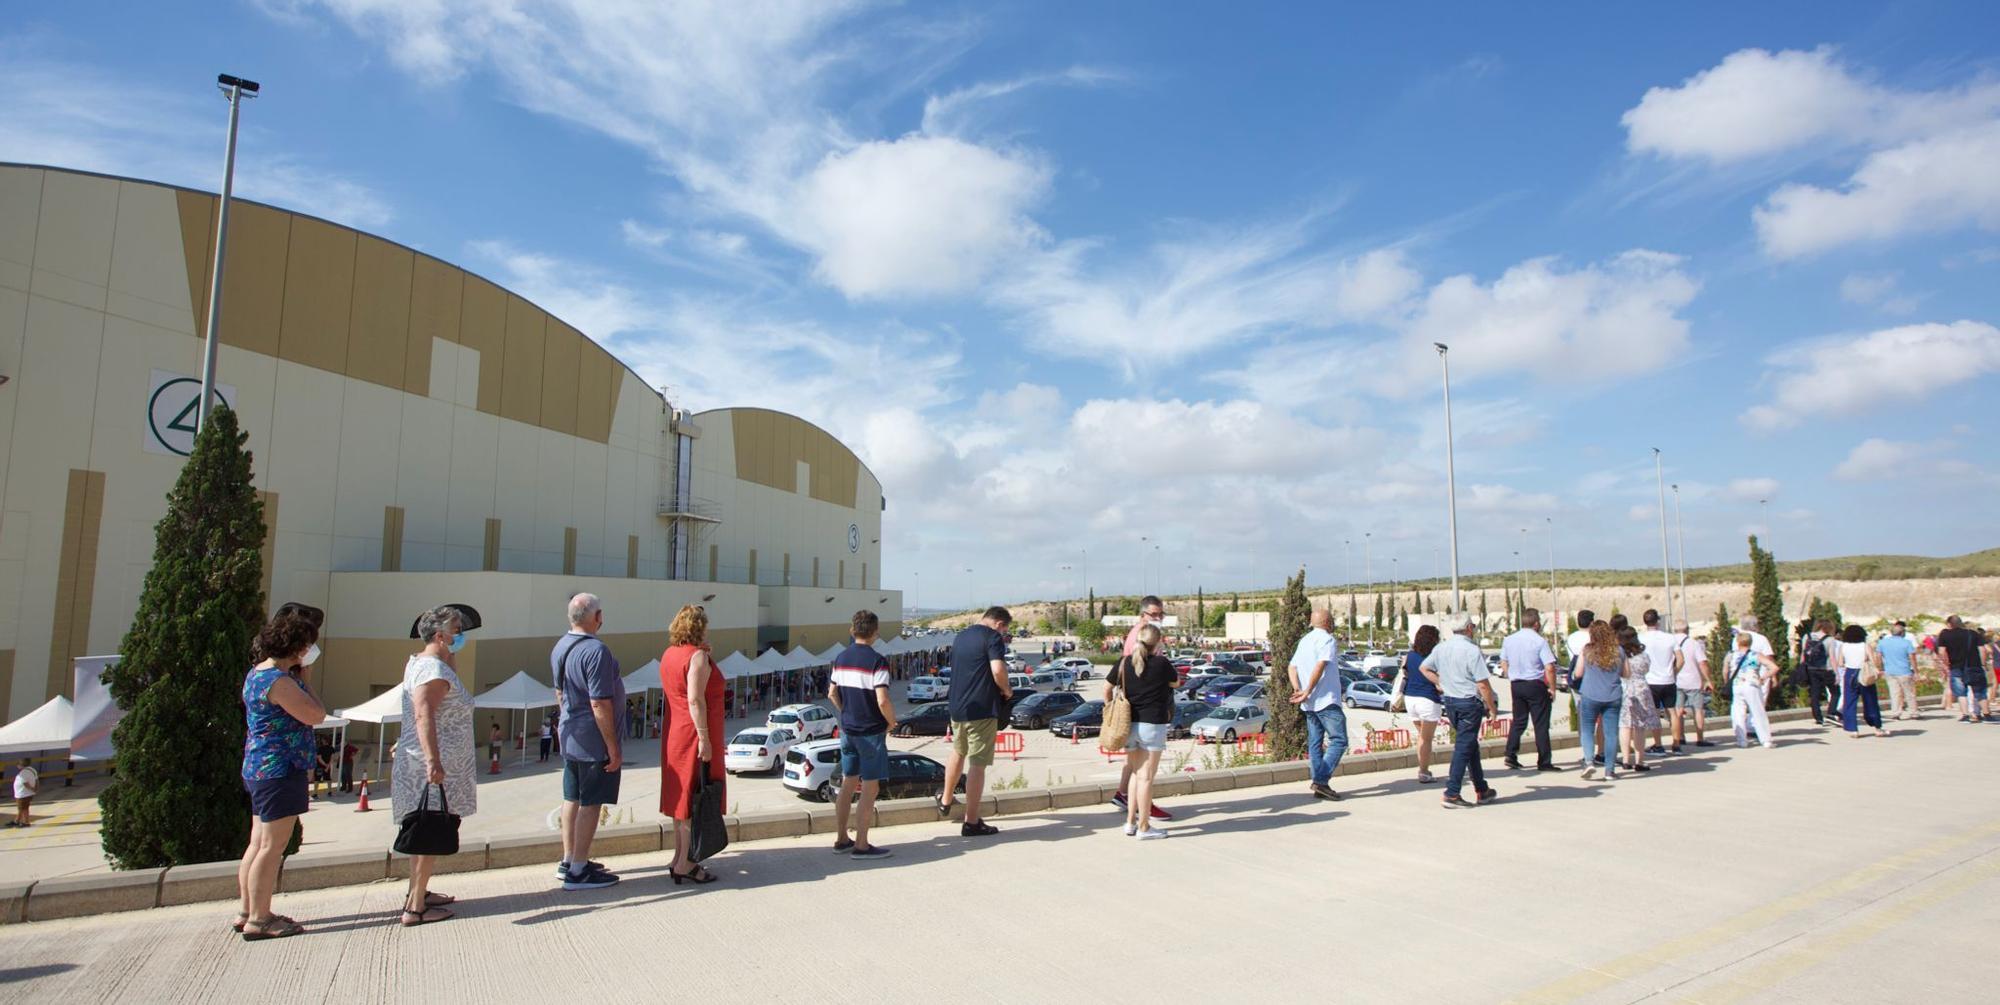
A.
pixel 518 693
pixel 45 728
pixel 386 707
pixel 773 661
pixel 801 658
pixel 832 651
pixel 646 678
pixel 737 665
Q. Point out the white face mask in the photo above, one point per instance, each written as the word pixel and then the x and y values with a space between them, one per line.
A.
pixel 312 655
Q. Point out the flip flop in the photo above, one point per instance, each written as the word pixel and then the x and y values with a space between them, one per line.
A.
pixel 427 916
pixel 277 926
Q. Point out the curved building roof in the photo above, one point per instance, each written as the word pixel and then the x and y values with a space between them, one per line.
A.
pixel 317 293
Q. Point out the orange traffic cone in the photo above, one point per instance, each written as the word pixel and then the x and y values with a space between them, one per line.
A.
pixel 362 806
pixel 494 768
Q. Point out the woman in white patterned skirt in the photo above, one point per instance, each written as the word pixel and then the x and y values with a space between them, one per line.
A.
pixel 1641 715
pixel 436 747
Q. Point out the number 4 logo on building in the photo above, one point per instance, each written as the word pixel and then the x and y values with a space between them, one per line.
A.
pixel 170 412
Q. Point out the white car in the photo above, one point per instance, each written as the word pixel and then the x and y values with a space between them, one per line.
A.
pixel 1227 722
pixel 757 750
pixel 807 722
pixel 1020 683
pixel 1052 680
pixel 812 769
pixel 1075 664
pixel 927 689
pixel 1380 661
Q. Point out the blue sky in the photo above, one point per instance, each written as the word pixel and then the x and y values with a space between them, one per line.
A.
pixel 1079 280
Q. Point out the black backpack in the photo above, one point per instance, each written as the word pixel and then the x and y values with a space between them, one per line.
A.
pixel 1816 654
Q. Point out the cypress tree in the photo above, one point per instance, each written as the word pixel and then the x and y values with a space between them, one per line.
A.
pixel 1200 609
pixel 1768 604
pixel 1430 605
pixel 1719 645
pixel 1482 612
pixel 1378 611
pixel 177 796
pixel 1286 731
pixel 1090 605
pixel 1353 614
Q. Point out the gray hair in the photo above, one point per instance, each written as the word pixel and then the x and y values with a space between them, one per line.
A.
pixel 582 606
pixel 437 621
pixel 1748 623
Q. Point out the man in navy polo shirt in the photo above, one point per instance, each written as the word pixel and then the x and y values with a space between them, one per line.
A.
pixel 859 688
pixel 979 698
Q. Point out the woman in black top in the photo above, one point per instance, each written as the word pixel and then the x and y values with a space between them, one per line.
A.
pixel 1150 689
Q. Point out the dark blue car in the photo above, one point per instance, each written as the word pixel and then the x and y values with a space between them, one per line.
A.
pixel 1222 687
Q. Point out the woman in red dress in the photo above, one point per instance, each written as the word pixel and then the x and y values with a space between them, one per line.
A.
pixel 694 725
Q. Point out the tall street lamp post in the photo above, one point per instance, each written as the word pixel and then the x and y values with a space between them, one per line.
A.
pixel 235 89
pixel 1450 473
pixel 1666 581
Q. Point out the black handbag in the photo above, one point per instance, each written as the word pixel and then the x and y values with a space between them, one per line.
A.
pixel 426 831
pixel 707 834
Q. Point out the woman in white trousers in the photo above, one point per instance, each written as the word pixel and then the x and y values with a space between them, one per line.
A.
pixel 1750 675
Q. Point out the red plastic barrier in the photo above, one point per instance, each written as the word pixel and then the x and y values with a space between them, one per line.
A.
pixel 1496 727
pixel 1253 743
pixel 1011 744
pixel 1388 739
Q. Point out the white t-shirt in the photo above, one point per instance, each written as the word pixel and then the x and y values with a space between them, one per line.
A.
pixel 1758 644
pixel 1577 640
pixel 1851 655
pixel 26 782
pixel 1693 655
pixel 1659 656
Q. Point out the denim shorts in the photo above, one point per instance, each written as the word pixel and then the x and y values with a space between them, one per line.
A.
pixel 865 757
pixel 277 798
pixel 1968 681
pixel 1147 736
pixel 586 783
pixel 1692 698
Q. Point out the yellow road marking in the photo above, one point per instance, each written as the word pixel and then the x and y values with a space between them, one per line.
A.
pixel 1767 973
pixel 1636 964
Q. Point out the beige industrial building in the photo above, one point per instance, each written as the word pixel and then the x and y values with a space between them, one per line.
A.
pixel 420 435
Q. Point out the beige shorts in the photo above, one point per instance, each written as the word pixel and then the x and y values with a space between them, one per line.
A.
pixel 1422 709
pixel 974 740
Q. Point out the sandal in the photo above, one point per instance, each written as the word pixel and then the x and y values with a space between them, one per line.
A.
pixel 427 916
pixel 237 925
pixel 276 926
pixel 698 877
pixel 439 899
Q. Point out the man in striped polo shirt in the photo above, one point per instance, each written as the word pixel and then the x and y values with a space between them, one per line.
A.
pixel 859 688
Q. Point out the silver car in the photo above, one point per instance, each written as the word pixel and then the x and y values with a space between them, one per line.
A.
pixel 1367 694
pixel 1227 722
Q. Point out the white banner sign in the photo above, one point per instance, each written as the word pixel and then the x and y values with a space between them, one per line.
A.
pixel 96 713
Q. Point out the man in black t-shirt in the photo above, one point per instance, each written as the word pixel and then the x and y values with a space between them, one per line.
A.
pixel 1960 646
pixel 979 695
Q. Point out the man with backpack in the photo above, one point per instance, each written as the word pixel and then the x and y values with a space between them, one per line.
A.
pixel 1814 658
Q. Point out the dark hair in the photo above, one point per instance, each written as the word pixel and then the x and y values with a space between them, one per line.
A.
pixel 864 624
pixel 1584 618
pixel 1651 618
pixel 1628 640
pixel 1151 601
pixel 1620 622
pixel 284 636
pixel 310 613
pixel 1426 640
pixel 999 614
pixel 1854 633
pixel 1824 626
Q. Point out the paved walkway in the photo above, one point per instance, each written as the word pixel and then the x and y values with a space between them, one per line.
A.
pixel 1827 869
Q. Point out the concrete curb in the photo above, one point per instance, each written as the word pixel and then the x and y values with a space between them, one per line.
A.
pixel 98 893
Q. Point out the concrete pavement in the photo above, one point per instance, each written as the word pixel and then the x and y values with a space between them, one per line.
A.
pixel 1826 869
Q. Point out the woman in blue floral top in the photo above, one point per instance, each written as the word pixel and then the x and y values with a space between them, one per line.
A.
pixel 279 714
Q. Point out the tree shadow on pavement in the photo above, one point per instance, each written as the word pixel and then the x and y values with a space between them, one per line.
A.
pixel 14 974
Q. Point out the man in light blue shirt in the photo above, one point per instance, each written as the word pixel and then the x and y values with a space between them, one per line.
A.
pixel 1895 650
pixel 1315 673
pixel 1530 666
pixel 1459 670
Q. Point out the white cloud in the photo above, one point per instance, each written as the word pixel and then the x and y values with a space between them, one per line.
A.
pixel 1877 459
pixel 918 215
pixel 640 235
pixel 1232 437
pixel 1755 103
pixel 1939 183
pixel 1929 165
pixel 1483 498
pixel 1864 372
pixel 1196 293
pixel 92 119
pixel 1750 489
pixel 730 99
pixel 953 113
pixel 1613 318
pixel 1879 290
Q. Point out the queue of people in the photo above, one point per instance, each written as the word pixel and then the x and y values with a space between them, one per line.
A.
pixel 1627 685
